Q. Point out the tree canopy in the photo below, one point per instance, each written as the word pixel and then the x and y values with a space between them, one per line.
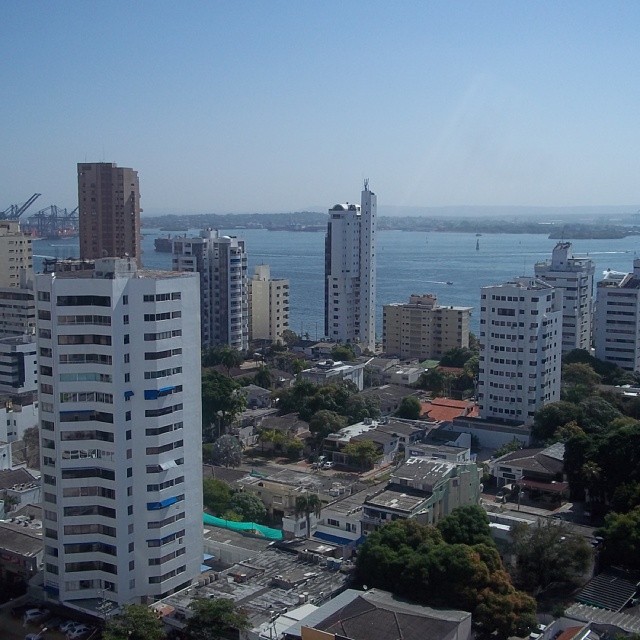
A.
pixel 213 619
pixel 410 408
pixel 226 451
pixel 136 622
pixel 216 495
pixel 363 452
pixel 222 401
pixel 415 561
pixel 248 506
pixel 621 533
pixel 466 525
pixel 548 553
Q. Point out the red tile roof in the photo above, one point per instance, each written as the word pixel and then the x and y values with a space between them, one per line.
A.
pixel 446 409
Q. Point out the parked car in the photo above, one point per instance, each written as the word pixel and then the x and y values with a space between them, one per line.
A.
pixel 68 625
pixel 78 632
pixel 328 465
pixel 36 636
pixel 35 615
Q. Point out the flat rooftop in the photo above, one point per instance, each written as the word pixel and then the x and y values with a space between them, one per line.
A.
pixel 267 584
pixel 353 503
pixel 405 500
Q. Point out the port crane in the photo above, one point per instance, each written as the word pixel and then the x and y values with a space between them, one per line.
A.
pixel 54 222
pixel 14 211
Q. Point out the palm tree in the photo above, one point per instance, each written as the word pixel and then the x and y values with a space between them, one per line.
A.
pixel 591 474
pixel 307 504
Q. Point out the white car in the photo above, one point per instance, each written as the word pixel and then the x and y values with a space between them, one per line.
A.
pixel 327 465
pixel 34 615
pixel 79 632
pixel 68 625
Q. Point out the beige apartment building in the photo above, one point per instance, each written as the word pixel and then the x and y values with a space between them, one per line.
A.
pixel 268 305
pixel 109 211
pixel 422 329
pixel 16 261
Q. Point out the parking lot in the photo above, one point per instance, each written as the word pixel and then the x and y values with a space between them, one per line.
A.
pixel 13 628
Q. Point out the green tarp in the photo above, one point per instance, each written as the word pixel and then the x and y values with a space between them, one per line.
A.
pixel 248 527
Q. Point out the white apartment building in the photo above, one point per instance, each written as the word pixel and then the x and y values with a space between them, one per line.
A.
pixel 422 329
pixel 120 425
pixel 18 365
pixel 268 305
pixel 221 262
pixel 617 319
pixel 350 272
pixel 575 277
pixel 520 349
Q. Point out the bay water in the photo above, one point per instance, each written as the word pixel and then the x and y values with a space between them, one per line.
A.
pixel 407 263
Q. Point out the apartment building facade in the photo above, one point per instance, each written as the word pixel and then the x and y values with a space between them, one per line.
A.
pixel 120 425
pixel 350 271
pixel 520 349
pixel 268 305
pixel 617 319
pixel 422 329
pixel 574 276
pixel 108 211
pixel 221 262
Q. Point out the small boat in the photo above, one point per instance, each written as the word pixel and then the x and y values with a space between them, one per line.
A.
pixel 449 282
pixel 477 245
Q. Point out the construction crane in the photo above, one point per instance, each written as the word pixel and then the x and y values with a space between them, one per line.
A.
pixel 14 211
pixel 54 222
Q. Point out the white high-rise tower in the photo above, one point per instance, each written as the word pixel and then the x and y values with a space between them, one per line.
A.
pixel 120 428
pixel 575 277
pixel 520 349
pixel 350 272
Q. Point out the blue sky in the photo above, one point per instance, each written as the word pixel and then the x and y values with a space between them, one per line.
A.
pixel 278 106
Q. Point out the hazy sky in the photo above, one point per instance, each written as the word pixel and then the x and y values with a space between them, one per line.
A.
pixel 279 106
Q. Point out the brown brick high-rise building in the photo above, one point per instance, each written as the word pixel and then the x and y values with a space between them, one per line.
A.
pixel 109 211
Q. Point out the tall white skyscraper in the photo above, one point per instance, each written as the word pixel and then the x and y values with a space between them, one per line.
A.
pixel 575 277
pixel 520 349
pixel 120 425
pixel 221 262
pixel 350 272
pixel 617 319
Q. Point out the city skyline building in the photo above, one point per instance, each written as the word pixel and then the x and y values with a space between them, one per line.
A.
pixel 422 329
pixel 108 211
pixel 221 262
pixel 617 319
pixel 268 305
pixel 350 272
pixel 575 277
pixel 520 349
pixel 16 257
pixel 120 429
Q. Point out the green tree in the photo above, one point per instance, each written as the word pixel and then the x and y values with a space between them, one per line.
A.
pixel 456 357
pixel 307 504
pixel 364 452
pixel 621 533
pixel 227 451
pixel 214 619
pixel 290 337
pixel 136 622
pixel 263 378
pixel 216 495
pixel 325 422
pixel 294 448
pixel 548 553
pixel 248 506
pixel 598 414
pixel 230 358
pixel 508 447
pixel 222 401
pixel 466 525
pixel 414 561
pixel 410 408
pixel 551 417
pixel 343 352
pixel 359 407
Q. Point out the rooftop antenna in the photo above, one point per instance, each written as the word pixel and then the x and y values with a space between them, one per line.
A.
pixel 366 184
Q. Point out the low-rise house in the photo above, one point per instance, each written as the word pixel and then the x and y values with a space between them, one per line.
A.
pixel 540 470
pixel 450 453
pixel 424 489
pixel 376 368
pixel 328 371
pixel 379 615
pixel 491 433
pixel 21 549
pixel 20 487
pixel 408 432
pixel 386 443
pixel 405 375
pixel 446 409
pixel 389 397
pixel 256 397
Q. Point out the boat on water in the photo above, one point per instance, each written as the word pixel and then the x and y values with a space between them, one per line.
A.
pixel 477 245
pixel 449 282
